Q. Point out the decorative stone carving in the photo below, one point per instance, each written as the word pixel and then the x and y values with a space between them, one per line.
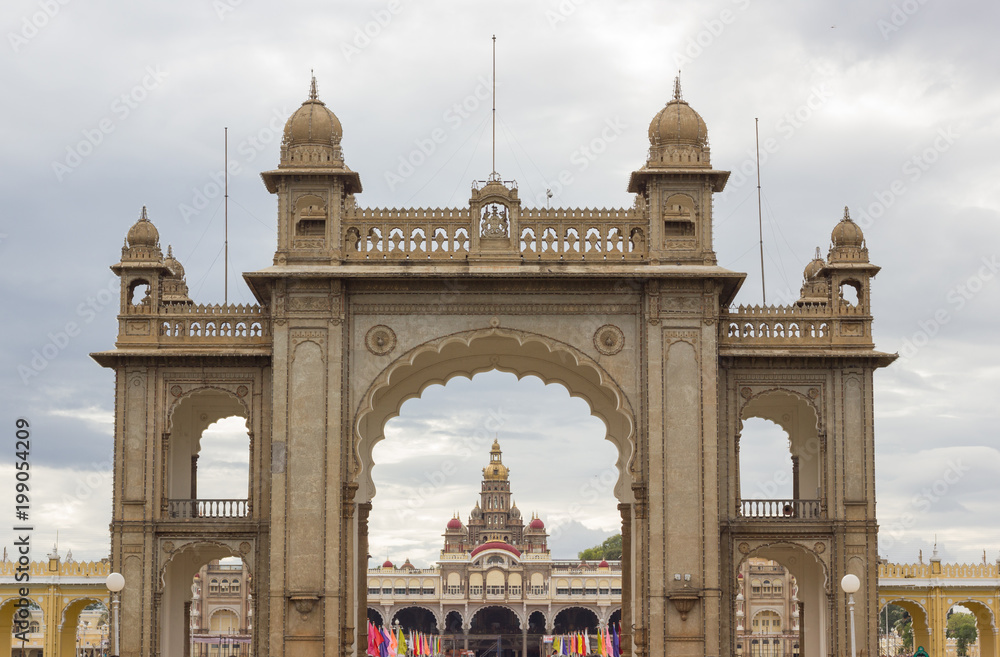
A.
pixel 380 340
pixel 609 339
pixel 245 547
pixel 176 391
pixel 242 391
pixel 304 603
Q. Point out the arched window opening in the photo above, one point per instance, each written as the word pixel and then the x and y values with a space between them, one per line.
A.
pixel 208 473
pixel 850 293
pixel 765 461
pixel 780 455
pixel 139 293
pixel 779 599
pixel 201 604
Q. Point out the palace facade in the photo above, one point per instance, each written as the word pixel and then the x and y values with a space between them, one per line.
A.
pixel 496 579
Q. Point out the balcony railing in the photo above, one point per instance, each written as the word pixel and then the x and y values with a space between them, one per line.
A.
pixel 208 508
pixel 781 509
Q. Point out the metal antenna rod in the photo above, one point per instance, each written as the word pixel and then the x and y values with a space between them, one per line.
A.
pixel 494 103
pixel 760 221
pixel 225 258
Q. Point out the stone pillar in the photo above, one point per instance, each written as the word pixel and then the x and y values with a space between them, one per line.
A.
pixel 361 642
pixel 187 629
pixel 524 642
pixel 626 624
pixel 194 479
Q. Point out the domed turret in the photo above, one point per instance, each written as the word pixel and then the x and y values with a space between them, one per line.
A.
pixel 847 242
pixel 536 523
pixel 496 470
pixel 847 233
pixel 143 233
pixel 677 123
pixel 176 268
pixel 454 524
pixel 387 564
pixel 312 136
pixel 175 289
pixel 678 136
pixel 814 266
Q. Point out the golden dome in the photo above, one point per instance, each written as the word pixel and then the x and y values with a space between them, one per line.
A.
pixel 847 233
pixel 496 469
pixel 143 232
pixel 677 123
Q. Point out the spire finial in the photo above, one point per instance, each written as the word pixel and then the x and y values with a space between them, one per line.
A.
pixel 142 215
pixel 818 256
pixel 847 214
pixel 677 86
pixel 312 86
pixel 170 251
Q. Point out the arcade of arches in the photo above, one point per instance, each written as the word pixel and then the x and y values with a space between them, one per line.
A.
pixel 362 308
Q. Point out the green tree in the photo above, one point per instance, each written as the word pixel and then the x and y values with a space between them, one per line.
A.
pixel 611 548
pixel 905 628
pixel 962 627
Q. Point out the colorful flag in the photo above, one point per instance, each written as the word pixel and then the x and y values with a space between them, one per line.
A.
pixel 372 648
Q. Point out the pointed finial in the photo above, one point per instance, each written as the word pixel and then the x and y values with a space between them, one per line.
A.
pixel 677 86
pixel 142 215
pixel 818 256
pixel 312 86
pixel 847 214
pixel 170 251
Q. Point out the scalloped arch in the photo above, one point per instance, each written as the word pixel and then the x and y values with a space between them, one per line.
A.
pixel 202 390
pixel 395 609
pixel 471 352
pixel 517 614
pixel 200 545
pixel 750 404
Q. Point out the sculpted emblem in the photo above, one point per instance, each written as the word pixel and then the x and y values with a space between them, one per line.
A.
pixel 380 340
pixel 609 339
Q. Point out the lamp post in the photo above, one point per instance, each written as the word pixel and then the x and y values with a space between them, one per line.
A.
pixel 115 583
pixel 850 583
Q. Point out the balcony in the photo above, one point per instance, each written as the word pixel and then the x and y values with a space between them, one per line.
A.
pixel 199 509
pixel 781 509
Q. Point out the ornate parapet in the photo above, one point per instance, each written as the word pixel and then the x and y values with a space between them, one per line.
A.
pixel 373 234
pixel 194 325
pixel 796 326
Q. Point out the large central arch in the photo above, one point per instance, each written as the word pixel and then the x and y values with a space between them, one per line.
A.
pixel 470 352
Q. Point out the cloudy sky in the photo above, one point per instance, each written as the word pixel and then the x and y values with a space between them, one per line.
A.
pixel 889 107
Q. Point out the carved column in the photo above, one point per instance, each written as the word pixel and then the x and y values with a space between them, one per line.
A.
pixel 739 482
pixel 187 629
pixel 361 642
pixel 626 624
pixel 795 477
pixel 194 477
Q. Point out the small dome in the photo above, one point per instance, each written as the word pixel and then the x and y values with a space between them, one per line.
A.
pixel 176 269
pixel 847 233
pixel 677 123
pixel 515 512
pixel 814 266
pixel 143 232
pixel 387 564
pixel 739 597
pixel 536 524
pixel 312 134
pixel 454 523
pixel 603 564
pixel 477 512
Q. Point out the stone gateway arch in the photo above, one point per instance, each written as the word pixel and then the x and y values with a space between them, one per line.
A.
pixel 363 308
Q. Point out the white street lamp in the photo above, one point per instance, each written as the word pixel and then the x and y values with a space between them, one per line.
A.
pixel 850 583
pixel 115 583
